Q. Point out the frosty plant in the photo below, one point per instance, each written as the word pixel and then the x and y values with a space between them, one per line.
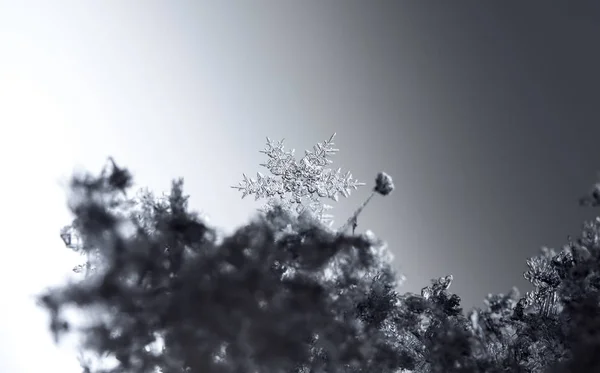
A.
pixel 299 185
pixel 172 297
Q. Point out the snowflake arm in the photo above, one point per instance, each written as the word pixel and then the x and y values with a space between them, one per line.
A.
pixel 262 187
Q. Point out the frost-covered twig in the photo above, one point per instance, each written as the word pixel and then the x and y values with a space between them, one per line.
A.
pixel 384 185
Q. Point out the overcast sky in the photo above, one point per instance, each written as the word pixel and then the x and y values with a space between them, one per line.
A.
pixel 485 115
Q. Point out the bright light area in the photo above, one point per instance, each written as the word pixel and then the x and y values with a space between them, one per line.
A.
pixel 37 146
pixel 57 113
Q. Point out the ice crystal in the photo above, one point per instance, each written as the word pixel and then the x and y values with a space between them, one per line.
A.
pixel 70 238
pixel 298 186
pixel 437 286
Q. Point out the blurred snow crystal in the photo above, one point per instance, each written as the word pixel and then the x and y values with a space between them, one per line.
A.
pixel 298 186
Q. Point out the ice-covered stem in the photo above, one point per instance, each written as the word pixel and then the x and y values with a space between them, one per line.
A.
pixel 352 221
pixel 384 185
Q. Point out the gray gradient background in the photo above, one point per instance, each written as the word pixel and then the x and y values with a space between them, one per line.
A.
pixel 485 113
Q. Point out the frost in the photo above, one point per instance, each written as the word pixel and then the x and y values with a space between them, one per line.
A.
pixel 164 294
pixel 437 287
pixel 298 186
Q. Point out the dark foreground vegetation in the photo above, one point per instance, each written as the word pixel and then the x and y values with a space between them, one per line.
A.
pixel 286 293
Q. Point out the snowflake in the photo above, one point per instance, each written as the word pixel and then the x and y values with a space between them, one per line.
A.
pixel 299 185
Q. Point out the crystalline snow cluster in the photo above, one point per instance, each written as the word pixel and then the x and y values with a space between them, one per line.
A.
pixel 298 185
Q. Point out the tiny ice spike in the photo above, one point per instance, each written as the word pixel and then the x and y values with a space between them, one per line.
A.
pixel 298 185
